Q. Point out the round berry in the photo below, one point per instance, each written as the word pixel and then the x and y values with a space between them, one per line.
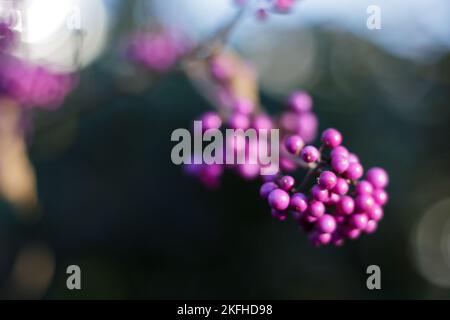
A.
pixel 279 199
pixel 378 177
pixel 354 171
pixel 380 196
pixel 339 164
pixel 294 144
pixel 309 154
pixel 339 151
pixel 353 158
pixel 359 221
pixel 267 188
pixel 327 180
pixel 299 202
pixel 316 208
pixel 346 205
pixel 371 226
pixel 341 187
pixel 352 233
pixel 364 202
pixel 376 213
pixel 319 194
pixel 319 239
pixel 300 101
pixel 286 183
pixel 262 122
pixel 326 224
pixel 364 187
pixel 331 138
pixel 333 199
pixel 239 121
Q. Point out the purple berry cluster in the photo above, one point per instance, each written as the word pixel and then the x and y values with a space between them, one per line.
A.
pixel 339 204
pixel 239 112
pixel 156 50
pixel 264 7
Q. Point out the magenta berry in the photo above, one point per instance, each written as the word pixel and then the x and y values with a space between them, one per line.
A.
pixel 211 120
pixel 341 187
pixel 319 194
pixel 299 202
pixel 364 202
pixel 279 199
pixel 371 226
pixel 286 183
pixel 364 187
pixel 244 106
pixel 339 164
pixel 309 154
pixel 354 171
pixel 339 151
pixel 316 208
pixel 300 101
pixel 326 224
pixel 267 188
pixel 378 178
pixel 346 205
pixel 380 196
pixel 359 221
pixel 327 180
pixel 331 138
pixel 294 144
pixel 280 215
pixel 376 213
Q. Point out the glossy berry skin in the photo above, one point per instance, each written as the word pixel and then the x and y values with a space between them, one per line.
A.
pixel 346 205
pixel 300 101
pixel 354 171
pixel 286 183
pixel 364 187
pixel 339 164
pixel 326 224
pixel 316 208
pixel 327 180
pixel 353 158
pixel 378 178
pixel 309 154
pixel 319 239
pixel 299 202
pixel 267 188
pixel 294 144
pixel 376 213
pixel 364 202
pixel 371 226
pixel 339 151
pixel 279 199
pixel 331 138
pixel 380 196
pixel 359 221
pixel 341 187
pixel 319 194
pixel 333 199
pixel 352 233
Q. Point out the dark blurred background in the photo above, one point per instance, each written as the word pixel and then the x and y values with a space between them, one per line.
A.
pixel 112 202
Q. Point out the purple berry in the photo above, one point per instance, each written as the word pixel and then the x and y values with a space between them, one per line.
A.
pixel 353 158
pixel 354 171
pixel 244 106
pixel 279 215
pixel 299 202
pixel 319 194
pixel 364 202
pixel 364 187
pixel 371 226
pixel 316 208
pixel 341 187
pixel 318 239
pixel 331 138
pixel 380 196
pixel 339 164
pixel 294 144
pixel 327 180
pixel 239 121
pixel 359 221
pixel 352 233
pixel 333 199
pixel 378 177
pixel 339 151
pixel 346 205
pixel 267 188
pixel 376 213
pixel 309 154
pixel 262 122
pixel 300 101
pixel 279 199
pixel 286 183
pixel 326 224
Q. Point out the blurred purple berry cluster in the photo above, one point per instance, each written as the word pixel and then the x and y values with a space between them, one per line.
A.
pixel 30 85
pixel 264 7
pixel 339 204
pixel 157 50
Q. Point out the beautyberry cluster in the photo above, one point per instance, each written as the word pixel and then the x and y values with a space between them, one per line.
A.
pixel 157 50
pixel 339 204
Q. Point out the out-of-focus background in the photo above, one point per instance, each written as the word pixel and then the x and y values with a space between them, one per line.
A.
pixel 112 202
